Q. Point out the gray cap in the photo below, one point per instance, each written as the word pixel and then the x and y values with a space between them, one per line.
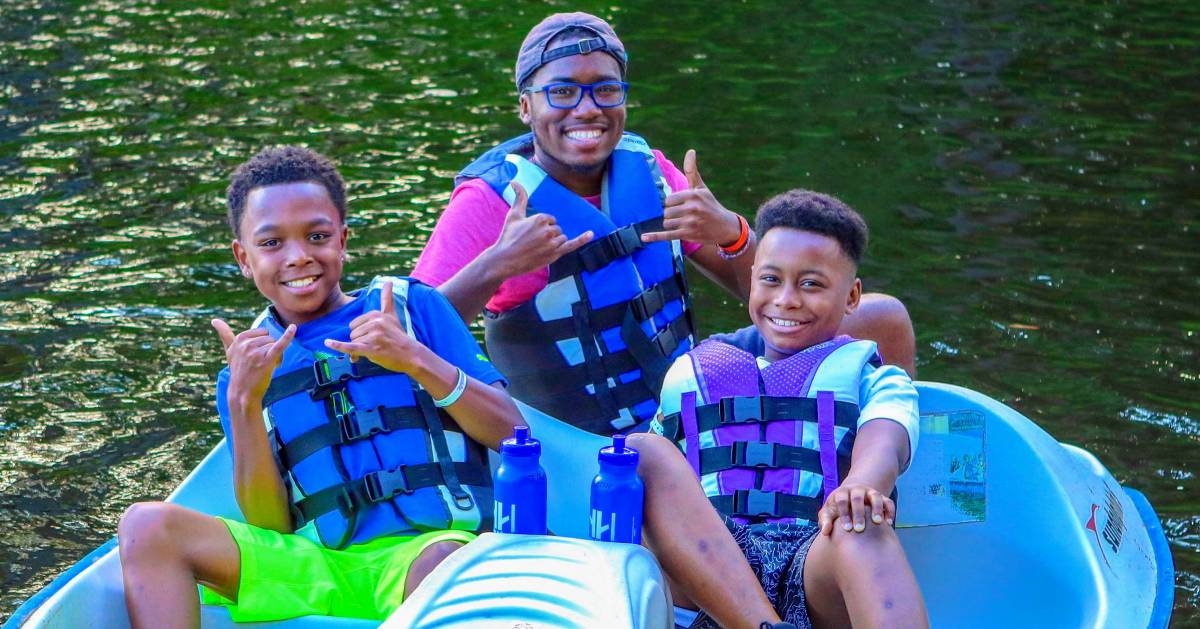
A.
pixel 534 55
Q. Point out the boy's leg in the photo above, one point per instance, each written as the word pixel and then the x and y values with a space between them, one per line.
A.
pixel 884 319
pixel 862 580
pixel 429 559
pixel 166 550
pixel 692 543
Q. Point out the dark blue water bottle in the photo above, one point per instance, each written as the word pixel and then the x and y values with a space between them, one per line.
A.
pixel 617 494
pixel 519 486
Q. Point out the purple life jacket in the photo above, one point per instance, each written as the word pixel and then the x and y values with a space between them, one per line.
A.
pixel 757 420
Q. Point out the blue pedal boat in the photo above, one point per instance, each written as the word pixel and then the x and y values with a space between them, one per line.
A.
pixel 1003 525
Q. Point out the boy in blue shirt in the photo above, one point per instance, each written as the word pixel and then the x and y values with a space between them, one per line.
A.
pixel 353 482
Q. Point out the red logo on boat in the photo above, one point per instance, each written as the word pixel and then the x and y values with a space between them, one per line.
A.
pixel 1114 524
pixel 1091 526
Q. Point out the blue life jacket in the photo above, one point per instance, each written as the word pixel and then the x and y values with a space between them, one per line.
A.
pixel 770 444
pixel 592 347
pixel 364 450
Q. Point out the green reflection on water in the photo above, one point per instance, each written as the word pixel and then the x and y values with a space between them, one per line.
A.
pixel 1028 170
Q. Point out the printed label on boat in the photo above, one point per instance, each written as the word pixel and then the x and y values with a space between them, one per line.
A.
pixel 947 481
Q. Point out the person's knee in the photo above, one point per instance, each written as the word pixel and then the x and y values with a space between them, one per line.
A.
pixel 429 559
pixel 146 529
pixel 436 553
pixel 655 453
pixel 852 547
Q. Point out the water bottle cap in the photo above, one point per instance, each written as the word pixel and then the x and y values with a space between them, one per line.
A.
pixel 521 444
pixel 618 453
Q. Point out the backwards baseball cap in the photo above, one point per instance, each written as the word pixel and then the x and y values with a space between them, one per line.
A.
pixel 534 55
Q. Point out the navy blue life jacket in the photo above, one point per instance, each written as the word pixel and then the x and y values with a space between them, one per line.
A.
pixel 364 450
pixel 769 445
pixel 592 347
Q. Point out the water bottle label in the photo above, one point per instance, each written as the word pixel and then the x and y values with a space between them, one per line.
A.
pixel 504 523
pixel 605 528
pixel 601 531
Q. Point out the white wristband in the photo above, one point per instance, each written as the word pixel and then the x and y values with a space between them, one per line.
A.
pixel 453 396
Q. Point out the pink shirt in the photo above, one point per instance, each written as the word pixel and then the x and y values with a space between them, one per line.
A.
pixel 472 222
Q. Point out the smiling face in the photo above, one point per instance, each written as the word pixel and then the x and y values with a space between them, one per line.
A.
pixel 573 145
pixel 293 244
pixel 803 285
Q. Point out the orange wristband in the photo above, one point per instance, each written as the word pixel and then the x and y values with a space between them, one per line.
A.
pixel 743 236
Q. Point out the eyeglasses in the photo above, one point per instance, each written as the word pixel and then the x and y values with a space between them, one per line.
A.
pixel 606 94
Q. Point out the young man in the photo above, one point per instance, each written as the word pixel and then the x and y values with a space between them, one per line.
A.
pixel 800 445
pixel 572 238
pixel 364 475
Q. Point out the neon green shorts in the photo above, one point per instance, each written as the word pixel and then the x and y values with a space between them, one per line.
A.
pixel 284 576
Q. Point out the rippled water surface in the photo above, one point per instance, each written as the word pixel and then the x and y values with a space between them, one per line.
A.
pixel 1029 171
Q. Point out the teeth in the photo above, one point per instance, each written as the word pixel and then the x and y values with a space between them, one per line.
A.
pixel 784 323
pixel 300 283
pixel 591 134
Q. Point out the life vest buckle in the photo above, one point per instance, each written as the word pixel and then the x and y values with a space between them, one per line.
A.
pixel 328 372
pixel 626 241
pixel 648 303
pixel 384 484
pixel 754 503
pixel 666 341
pixel 756 454
pixel 360 423
pixel 741 408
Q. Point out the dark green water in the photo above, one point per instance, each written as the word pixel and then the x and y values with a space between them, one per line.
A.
pixel 1029 171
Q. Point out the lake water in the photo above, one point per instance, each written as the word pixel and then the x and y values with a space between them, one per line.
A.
pixel 1028 169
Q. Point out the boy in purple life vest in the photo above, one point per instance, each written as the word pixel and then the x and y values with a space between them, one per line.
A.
pixel 798 442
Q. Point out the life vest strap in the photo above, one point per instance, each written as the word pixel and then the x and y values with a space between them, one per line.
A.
pixel 560 381
pixel 325 375
pixel 600 252
pixel 349 498
pixel 757 504
pixel 743 409
pixel 437 436
pixel 760 455
pixel 359 423
pixel 647 304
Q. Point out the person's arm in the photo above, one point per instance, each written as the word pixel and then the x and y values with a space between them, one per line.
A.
pixel 253 356
pixel 486 413
pixel 732 275
pixel 884 444
pixel 525 244
pixel 694 214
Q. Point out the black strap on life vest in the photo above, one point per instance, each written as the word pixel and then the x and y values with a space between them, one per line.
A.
pixel 349 498
pixel 359 423
pixel 437 435
pixel 647 304
pixel 600 252
pixel 755 504
pixel 761 455
pixel 325 376
pixel 766 408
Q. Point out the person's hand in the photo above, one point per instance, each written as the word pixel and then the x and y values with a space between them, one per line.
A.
pixel 252 357
pixel 529 243
pixel 853 503
pixel 695 214
pixel 379 336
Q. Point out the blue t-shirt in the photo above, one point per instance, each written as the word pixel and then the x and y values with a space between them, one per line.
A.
pixel 435 322
pixel 746 339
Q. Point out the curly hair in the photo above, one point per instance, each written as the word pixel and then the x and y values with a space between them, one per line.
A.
pixel 282 164
pixel 815 212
